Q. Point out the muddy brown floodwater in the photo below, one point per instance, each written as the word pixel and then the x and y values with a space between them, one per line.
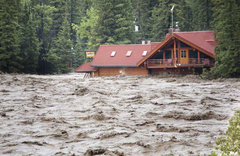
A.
pixel 114 116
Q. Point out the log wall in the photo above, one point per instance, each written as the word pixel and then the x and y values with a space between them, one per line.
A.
pixel 121 71
pixel 159 71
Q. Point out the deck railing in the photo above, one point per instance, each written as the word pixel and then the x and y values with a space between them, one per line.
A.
pixel 189 62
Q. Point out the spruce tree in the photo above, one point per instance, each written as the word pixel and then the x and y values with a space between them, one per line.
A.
pixel 80 18
pixel 43 13
pixel 61 12
pixel 29 44
pixel 143 14
pixel 184 16
pixel 202 12
pixel 161 20
pixel 9 41
pixel 162 17
pixel 61 53
pixel 227 38
pixel 115 22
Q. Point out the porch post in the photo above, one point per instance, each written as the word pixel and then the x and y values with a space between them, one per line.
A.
pixel 198 57
pixel 175 59
pixel 178 51
pixel 164 58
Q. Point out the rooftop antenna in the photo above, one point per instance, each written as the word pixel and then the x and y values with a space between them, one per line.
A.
pixel 172 19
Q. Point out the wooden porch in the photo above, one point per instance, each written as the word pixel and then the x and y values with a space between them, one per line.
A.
pixel 170 63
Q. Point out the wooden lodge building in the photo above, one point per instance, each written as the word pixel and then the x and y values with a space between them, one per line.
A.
pixel 179 52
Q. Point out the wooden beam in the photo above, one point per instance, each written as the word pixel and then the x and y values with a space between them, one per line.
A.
pixel 163 57
pixel 161 50
pixel 198 57
pixel 178 51
pixel 175 55
pixel 181 47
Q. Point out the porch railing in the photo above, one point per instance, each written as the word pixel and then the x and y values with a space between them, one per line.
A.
pixel 189 62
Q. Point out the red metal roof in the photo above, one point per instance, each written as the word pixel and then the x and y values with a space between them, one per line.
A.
pixel 85 67
pixel 202 39
pixel 154 45
pixel 103 57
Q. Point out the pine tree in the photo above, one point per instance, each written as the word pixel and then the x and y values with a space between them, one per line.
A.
pixel 162 17
pixel 61 52
pixel 80 16
pixel 161 20
pixel 227 36
pixel 29 44
pixel 78 9
pixel 202 12
pixel 115 22
pixel 43 13
pixel 61 12
pixel 143 14
pixel 185 16
pixel 9 42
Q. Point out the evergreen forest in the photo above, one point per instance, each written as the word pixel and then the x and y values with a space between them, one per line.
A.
pixel 48 36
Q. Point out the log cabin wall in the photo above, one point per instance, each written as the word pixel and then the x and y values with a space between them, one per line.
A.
pixel 122 71
pixel 96 74
pixel 159 71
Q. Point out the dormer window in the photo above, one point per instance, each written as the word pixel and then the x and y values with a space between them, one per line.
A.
pixel 144 53
pixel 129 53
pixel 113 53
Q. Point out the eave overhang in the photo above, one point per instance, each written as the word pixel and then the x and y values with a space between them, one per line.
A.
pixel 114 66
pixel 86 71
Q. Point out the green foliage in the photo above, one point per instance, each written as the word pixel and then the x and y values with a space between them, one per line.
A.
pixel 115 22
pixel 162 18
pixel 230 143
pixel 87 26
pixel 227 36
pixel 29 44
pixel 213 153
pixel 202 14
pixel 9 41
pixel 44 29
pixel 143 13
pixel 36 36
pixel 206 74
pixel 78 53
pixel 61 53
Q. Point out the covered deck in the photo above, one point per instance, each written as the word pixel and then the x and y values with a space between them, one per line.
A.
pixel 170 63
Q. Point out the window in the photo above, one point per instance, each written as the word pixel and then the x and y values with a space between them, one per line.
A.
pixel 113 53
pixel 144 53
pixel 129 53
pixel 183 54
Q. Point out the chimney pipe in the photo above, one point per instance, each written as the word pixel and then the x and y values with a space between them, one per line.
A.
pixel 149 42
pixel 171 30
pixel 143 42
